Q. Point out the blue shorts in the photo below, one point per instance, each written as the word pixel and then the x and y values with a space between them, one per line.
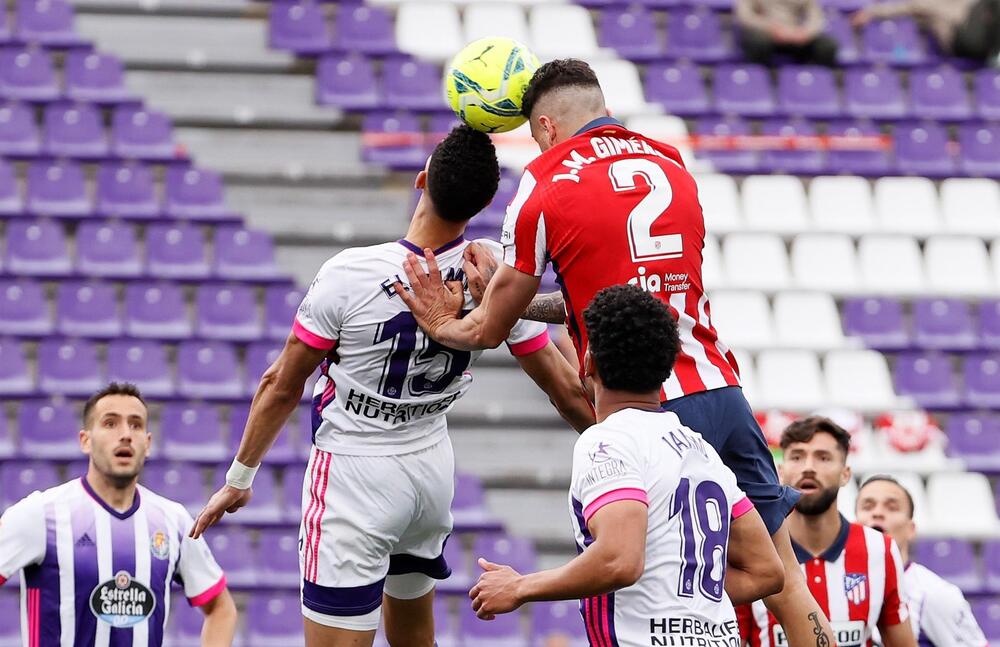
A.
pixel 723 417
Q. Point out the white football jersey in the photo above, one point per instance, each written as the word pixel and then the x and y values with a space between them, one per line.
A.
pixel 392 386
pixel 938 611
pixel 692 497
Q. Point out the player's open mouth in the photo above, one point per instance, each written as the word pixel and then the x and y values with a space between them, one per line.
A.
pixel 124 452
pixel 807 485
pixel 879 528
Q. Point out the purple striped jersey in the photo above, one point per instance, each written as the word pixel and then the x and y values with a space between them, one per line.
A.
pixel 96 577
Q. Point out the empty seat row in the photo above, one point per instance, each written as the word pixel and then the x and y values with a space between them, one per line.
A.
pixel 808 320
pixel 45 22
pixel 933 323
pixel 30 74
pixel 937 380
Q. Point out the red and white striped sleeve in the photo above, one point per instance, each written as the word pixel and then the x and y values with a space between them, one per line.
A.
pixel 523 235
pixel 894 609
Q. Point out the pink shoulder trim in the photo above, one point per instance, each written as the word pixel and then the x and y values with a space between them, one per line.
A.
pixel 2 580
pixel 742 507
pixel 529 346
pixel 210 593
pixel 310 338
pixel 621 494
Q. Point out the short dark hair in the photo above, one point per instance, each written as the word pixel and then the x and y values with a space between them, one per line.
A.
pixel 802 431
pixel 113 388
pixel 463 174
pixel 633 338
pixel 560 73
pixel 890 479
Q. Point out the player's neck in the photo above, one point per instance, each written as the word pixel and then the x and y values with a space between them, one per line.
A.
pixel 120 496
pixel 428 230
pixel 815 533
pixel 608 402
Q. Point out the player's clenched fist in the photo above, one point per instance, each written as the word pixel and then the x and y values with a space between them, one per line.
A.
pixel 226 499
pixel 496 591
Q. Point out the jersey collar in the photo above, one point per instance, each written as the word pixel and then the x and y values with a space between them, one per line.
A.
pixel 597 123
pixel 119 515
pixel 440 250
pixel 832 553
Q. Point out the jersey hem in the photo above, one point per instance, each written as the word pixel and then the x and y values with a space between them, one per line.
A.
pixel 209 594
pixel 529 346
pixel 309 338
pixel 621 494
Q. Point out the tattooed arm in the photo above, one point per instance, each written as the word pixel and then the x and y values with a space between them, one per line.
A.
pixel 548 308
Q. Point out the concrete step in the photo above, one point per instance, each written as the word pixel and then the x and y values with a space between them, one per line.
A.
pixel 529 457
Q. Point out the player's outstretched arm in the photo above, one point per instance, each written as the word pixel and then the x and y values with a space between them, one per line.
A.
pixel 220 621
pixel 561 382
pixel 754 569
pixel 480 267
pixel 277 396
pixel 614 561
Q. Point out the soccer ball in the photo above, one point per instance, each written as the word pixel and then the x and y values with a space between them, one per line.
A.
pixel 485 82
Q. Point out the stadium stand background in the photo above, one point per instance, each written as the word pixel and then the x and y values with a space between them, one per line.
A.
pixel 165 195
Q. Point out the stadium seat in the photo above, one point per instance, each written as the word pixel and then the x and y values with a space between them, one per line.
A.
pixel 265 507
pixel 558 623
pixel 228 313
pixel 157 311
pixel 126 190
pixel 979 145
pixel 987 91
pixel 743 90
pixel 953 560
pixel 958 266
pixel 517 552
pixel 677 86
pixel 107 249
pixel 284 450
pixel 192 432
pixel 696 34
pixel 712 274
pixel 927 378
pixel 989 323
pixel 347 82
pixel 982 380
pixel 841 204
pixel 991 564
pixel 867 162
pixel 243 254
pixel 411 85
pixel 495 19
pixel 971 206
pixel 859 380
pixel 891 264
pixel 75 131
pixel 298 27
pixel 394 139
pixel 292 492
pixel 19 134
pixel 43 428
pixel 847 499
pixel 365 29
pixel 874 94
pixel 939 93
pixel 429 30
pixel 743 319
pixel 775 203
pixel 87 309
pixel 208 370
pixel 807 320
pixel 182 480
pixel 895 41
pixel 668 129
pixel 973 438
pixel 560 31
pixel 814 254
pixel 10 607
pixel 838 27
pixel 503 631
pixel 143 363
pixel 716 131
pixel 631 32
pixel 943 324
pixel 57 188
pixel 907 205
pixel 24 310
pixel 720 203
pixel 95 77
pixel 28 75
pixel 18 479
pixel 961 505
pixel 260 355
pixel 176 251
pixel 275 619
pixel 808 91
pixel 279 551
pixel 790 380
pixel 923 149
pixel 748 374
pixel 193 193
pixel 69 367
pixel 36 248
pixel 15 375
pixel 795 161
pixel 757 261
pixel 231 547
pixel 623 87
pixel 11 203
pixel 47 22
pixel 142 133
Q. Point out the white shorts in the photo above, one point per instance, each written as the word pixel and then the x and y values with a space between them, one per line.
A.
pixel 373 524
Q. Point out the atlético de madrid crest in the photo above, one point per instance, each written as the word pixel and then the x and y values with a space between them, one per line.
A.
pixel 856 587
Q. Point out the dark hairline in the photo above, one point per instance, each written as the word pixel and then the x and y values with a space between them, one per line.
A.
pixel 885 478
pixel 114 388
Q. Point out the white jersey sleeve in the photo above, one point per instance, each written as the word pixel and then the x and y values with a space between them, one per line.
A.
pixel 525 337
pixel 22 535
pixel 197 570
pixel 321 313
pixel 948 619
pixel 607 467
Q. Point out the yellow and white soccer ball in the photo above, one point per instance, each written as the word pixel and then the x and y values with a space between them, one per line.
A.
pixel 486 80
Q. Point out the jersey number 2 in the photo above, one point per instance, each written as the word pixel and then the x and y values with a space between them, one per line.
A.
pixel 642 243
pixel 705 532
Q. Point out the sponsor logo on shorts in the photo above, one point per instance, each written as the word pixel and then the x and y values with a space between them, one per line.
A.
pixel 122 601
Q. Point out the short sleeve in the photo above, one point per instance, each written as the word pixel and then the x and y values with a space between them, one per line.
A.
pixel 606 469
pixel 197 570
pixel 525 337
pixel 523 235
pixel 894 609
pixel 22 535
pixel 946 619
pixel 319 317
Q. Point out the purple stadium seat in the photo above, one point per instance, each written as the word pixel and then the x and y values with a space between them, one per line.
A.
pixel 857 162
pixel 503 631
pixel 47 22
pixel 182 482
pixel 727 161
pixel 438 127
pixel 795 162
pixel 15 376
pixel 126 189
pixel 107 249
pixel 558 621
pixel 142 133
pixel 991 562
pixel 517 552
pixel 87 309
pixel 299 27
pixel 697 34
pixel 347 82
pixel 878 322
pixel 928 378
pixel 11 203
pixel 939 94
pixel 365 29
pixel 284 450
pixel 69 367
pixel 896 41
pixel 944 324
pixel 952 559
pixel 192 432
pixel 208 370
pixel 840 29
pixel 10 607
pixel 410 84
pixel 176 251
pixel 156 310
pixel 923 149
pixel 265 507
pixel 678 87
pixel 27 75
pixel 743 90
pixel 280 305
pixel 490 219
pixel 292 492
pixel 260 356
pixel 982 380
pixel 75 131
pixel 874 93
pixel 227 312
pixel 231 548
pixel 36 248
pixel 974 438
pixel 95 77
pixel 279 548
pixel 244 254
pixel 21 478
pixel 58 188
pixel 48 431
pixel 980 146
pixel 469 505
pixel 808 91
pixel 631 31
pixel 24 309
pixel 185 622
pixel 989 323
pixel 143 363
pixel 987 89
pixel 393 139
pixel 19 135
pixel 274 619
pixel 461 579
pixel 7 449
pixel 194 193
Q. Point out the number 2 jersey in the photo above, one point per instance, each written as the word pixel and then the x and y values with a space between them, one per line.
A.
pixel 610 206
pixel 679 600
pixel 389 391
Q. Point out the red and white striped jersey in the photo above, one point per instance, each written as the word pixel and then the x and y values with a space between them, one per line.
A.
pixel 857 582
pixel 609 206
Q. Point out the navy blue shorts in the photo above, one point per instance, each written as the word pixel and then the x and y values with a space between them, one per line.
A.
pixel 723 417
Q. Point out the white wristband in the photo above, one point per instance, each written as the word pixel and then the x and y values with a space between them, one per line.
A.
pixel 240 476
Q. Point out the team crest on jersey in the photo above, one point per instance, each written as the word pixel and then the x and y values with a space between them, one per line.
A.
pixel 159 545
pixel 856 587
pixel 122 601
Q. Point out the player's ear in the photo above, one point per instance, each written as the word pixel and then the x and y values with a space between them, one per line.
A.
pixel 420 183
pixel 84 436
pixel 588 364
pixel 846 475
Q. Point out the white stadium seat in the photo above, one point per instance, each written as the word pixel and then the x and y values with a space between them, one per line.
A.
pixel 958 266
pixel 971 206
pixel 748 374
pixel 720 203
pixel 826 262
pixel 775 203
pixel 891 264
pixel 712 275
pixel 789 379
pixel 664 128
pixel 807 320
pixel 743 319
pixel 563 30
pixel 842 204
pixel 429 30
pixel 961 504
pixel 622 88
pixel 755 261
pixel 907 205
pixel 847 498
pixel 859 380
pixel 494 19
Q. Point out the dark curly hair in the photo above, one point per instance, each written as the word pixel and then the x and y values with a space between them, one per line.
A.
pixel 560 73
pixel 463 174
pixel 113 388
pixel 802 431
pixel 633 338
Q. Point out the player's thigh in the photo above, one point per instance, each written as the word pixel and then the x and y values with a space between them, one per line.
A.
pixel 408 621
pixel 420 548
pixel 318 635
